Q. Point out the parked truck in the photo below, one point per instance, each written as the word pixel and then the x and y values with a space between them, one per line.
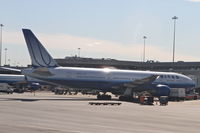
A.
pixel 5 88
pixel 177 94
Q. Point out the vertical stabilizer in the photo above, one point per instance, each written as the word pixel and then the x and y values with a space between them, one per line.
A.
pixel 39 55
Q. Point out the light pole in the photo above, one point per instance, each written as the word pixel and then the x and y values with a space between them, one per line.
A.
pixel 174 18
pixel 9 62
pixel 144 37
pixel 5 55
pixel 79 52
pixel 1 44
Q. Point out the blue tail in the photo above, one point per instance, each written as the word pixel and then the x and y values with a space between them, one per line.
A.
pixel 39 55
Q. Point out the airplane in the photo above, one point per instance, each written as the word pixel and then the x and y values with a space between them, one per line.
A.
pixel 118 82
pixel 20 81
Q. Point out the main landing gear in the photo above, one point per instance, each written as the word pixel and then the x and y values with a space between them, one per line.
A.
pixel 103 97
pixel 125 98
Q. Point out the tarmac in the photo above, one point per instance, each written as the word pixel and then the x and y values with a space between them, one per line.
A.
pixel 49 113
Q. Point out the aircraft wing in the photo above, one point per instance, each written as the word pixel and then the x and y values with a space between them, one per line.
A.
pixel 139 82
pixel 11 69
pixel 43 71
pixel 21 82
pixel 143 81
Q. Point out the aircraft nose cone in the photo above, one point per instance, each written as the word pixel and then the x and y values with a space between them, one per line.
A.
pixel 191 83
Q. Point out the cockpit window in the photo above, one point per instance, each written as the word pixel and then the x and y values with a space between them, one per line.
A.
pixel 177 77
pixel 173 77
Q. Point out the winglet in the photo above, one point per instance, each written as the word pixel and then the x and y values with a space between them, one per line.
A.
pixel 39 55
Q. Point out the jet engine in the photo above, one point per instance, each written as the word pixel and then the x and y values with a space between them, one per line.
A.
pixel 161 90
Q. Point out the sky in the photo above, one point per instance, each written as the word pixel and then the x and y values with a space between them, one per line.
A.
pixel 102 29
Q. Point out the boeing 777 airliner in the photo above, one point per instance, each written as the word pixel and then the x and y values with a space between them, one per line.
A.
pixel 121 82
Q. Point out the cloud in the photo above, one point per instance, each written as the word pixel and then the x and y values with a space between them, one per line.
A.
pixel 193 0
pixel 90 47
pixel 13 37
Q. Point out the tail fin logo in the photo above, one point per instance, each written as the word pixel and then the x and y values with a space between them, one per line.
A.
pixel 39 55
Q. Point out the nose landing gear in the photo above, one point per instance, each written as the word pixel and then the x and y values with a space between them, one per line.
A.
pixel 103 97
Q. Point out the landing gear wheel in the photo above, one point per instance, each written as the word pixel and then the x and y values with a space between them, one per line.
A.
pixel 124 98
pixel 103 97
pixel 121 98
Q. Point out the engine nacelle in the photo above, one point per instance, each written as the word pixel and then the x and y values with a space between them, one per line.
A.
pixel 34 86
pixel 161 90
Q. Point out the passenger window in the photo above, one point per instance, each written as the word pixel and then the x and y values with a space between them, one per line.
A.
pixel 168 76
pixel 161 76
